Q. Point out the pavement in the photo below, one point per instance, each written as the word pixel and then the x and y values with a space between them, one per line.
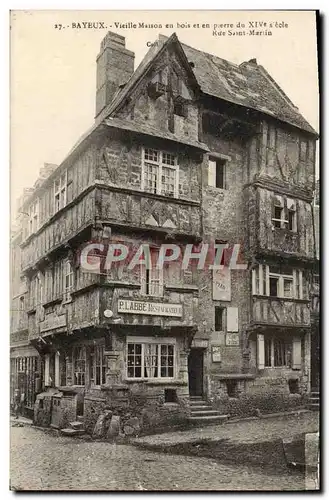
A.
pixel 41 460
pixel 244 431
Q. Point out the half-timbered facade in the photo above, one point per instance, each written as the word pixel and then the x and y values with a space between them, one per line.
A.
pixel 186 149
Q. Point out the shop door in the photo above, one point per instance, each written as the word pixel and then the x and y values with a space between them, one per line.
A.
pixel 195 372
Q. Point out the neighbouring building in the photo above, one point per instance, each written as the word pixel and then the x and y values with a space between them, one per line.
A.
pixel 187 149
pixel 315 301
pixel 25 362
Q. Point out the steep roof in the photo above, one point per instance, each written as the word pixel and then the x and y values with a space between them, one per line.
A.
pixel 247 84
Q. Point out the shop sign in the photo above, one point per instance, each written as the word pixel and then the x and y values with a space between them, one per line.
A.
pixel 150 308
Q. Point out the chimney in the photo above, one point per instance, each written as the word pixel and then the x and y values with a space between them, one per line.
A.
pixel 115 65
pixel 46 170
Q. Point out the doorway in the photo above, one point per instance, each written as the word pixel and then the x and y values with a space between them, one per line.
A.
pixel 195 372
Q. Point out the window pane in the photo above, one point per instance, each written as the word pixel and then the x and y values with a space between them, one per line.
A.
pixel 277 216
pixel 219 319
pixel 168 159
pixel 274 282
pixel 291 220
pixel 220 168
pixel 287 288
pixel 151 178
pixel 279 352
pixel 151 154
pixel 168 181
pixel 268 345
pixel 212 173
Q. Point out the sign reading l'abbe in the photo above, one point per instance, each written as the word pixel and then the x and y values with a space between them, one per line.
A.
pixel 149 308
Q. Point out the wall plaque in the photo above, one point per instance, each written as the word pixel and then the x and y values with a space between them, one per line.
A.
pixel 216 354
pixel 149 308
pixel 232 339
pixel 221 284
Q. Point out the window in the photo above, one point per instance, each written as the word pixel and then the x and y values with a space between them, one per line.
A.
pixel 287 287
pixel 291 219
pixel 268 351
pixel 160 173
pixel 150 360
pixel 282 352
pixel 232 388
pixel 33 217
pixel 278 216
pixel 152 279
pixel 60 186
pixel 284 213
pixel 40 289
pixel 34 292
pixel 282 285
pixel 219 319
pixel 98 365
pixel 259 280
pixel 79 364
pixel 68 280
pixel 277 352
pixel 274 286
pixel 216 173
pixel 21 308
pixel 170 396
pixel 180 108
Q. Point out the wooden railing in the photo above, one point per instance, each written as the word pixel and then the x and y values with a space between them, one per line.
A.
pixel 279 311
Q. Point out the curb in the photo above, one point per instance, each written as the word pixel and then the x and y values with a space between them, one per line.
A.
pixel 301 411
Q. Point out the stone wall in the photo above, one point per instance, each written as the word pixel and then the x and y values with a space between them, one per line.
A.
pixel 145 403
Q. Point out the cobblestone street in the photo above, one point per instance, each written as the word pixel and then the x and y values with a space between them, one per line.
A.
pixel 43 461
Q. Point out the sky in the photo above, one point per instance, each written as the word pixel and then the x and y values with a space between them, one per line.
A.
pixel 53 69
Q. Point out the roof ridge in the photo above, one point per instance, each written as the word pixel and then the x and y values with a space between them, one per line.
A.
pixel 208 54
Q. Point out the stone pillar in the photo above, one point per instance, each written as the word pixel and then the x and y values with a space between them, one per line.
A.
pixel 183 365
pixel 69 369
pixel 113 370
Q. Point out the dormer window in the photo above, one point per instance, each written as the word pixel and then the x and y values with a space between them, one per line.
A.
pixel 180 108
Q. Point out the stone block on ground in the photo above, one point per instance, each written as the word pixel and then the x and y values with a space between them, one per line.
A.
pixel 114 427
pixel 99 429
pixel 132 427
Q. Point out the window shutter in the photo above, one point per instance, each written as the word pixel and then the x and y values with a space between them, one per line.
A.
pixel 212 173
pixel 57 374
pixel 267 278
pixel 47 372
pixel 295 277
pixel 261 279
pixel 232 319
pixel 254 292
pixel 301 291
pixel 142 271
pixel 260 352
pixel 161 282
pixel 273 208
pixel 296 353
